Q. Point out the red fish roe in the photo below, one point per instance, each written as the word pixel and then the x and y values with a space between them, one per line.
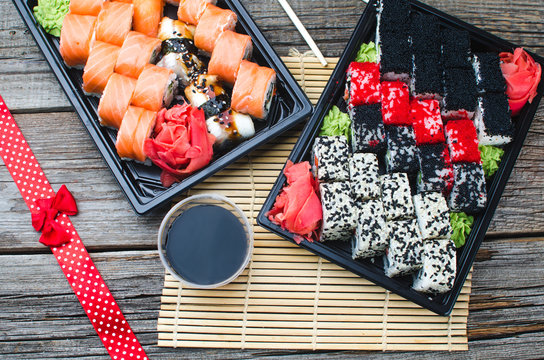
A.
pixel 462 141
pixel 363 84
pixel 395 98
pixel 427 122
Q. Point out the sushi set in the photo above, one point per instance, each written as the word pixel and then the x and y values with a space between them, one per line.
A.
pixel 397 151
pixel 170 93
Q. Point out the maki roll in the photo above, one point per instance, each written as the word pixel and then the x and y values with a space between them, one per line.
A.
pixel 455 49
pixel 432 215
pixel 230 127
pixel 395 98
pixel 155 88
pixel 392 16
pixel 460 95
pixel 206 92
pixel 339 212
pixel 425 35
pixel 462 141
pixel 396 197
pixel 362 84
pixel 404 251
pixel 439 265
pixel 493 120
pixel 175 29
pixel 435 169
pixel 137 51
pixel 367 130
pixel 426 81
pixel 370 237
pixel 469 193
pixel 427 122
pixel 401 153
pixel 394 57
pixel 329 158
pixel 254 89
pixel 365 180
pixel 179 55
pixel 488 73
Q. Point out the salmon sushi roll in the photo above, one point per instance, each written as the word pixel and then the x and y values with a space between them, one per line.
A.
pixel 114 22
pixel 115 101
pixel 99 67
pixel 212 23
pixel 190 11
pixel 75 39
pixel 125 136
pixel 86 7
pixel 230 50
pixel 253 90
pixel 145 127
pixel 147 16
pixel 137 51
pixel 155 88
pixel 175 29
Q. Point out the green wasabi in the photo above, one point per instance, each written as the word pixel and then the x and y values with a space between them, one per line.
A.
pixel 461 224
pixel 491 158
pixel 336 123
pixel 50 14
pixel 367 53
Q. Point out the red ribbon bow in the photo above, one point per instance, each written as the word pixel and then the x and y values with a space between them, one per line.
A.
pixel 53 233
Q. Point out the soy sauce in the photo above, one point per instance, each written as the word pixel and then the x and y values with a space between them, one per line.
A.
pixel 206 244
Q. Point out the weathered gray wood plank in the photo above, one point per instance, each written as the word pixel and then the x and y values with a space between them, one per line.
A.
pixel 41 318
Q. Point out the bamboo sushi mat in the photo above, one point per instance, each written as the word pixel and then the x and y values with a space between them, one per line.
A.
pixel 288 298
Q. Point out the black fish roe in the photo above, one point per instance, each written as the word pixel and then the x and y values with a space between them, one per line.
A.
pixel 427 75
pixel 395 54
pixel 368 133
pixel 395 15
pixel 424 34
pixel 432 165
pixel 469 188
pixel 455 49
pixel 491 78
pixel 460 89
pixel 496 114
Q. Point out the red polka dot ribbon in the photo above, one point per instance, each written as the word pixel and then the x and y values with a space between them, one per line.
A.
pixel 93 294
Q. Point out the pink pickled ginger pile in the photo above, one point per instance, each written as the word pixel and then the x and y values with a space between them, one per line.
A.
pixel 297 207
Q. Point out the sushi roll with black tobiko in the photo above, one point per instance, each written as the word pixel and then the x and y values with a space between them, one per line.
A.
pixel 395 57
pixel 404 252
pixel 462 141
pixel 396 197
pixel 362 84
pixel 455 49
pixel 488 73
pixel 425 35
pixel 435 168
pixel 330 158
pixel 339 211
pixel 392 16
pixel 493 121
pixel 460 94
pixel 469 193
pixel 426 81
pixel 395 98
pixel 370 237
pixel 401 155
pixel 367 130
pixel 364 176
pixel 432 215
pixel 439 265
pixel 427 122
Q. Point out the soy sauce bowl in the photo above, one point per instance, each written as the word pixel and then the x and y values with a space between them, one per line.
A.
pixel 205 241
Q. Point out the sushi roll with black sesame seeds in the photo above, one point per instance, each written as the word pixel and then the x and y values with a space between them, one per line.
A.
pixel 439 266
pixel 367 130
pixel 455 49
pixel 425 35
pixel 330 156
pixel 396 196
pixel 493 121
pixel 435 169
pixel 364 176
pixel 401 155
pixel 206 92
pixel 488 73
pixel 395 57
pixel 339 212
pixel 426 80
pixel 432 215
pixel 370 237
pixel 229 128
pixel 468 193
pixel 460 94
pixel 405 247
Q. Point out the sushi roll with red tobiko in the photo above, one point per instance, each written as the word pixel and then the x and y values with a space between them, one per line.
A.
pixel 395 98
pixel 462 141
pixel 362 84
pixel 427 122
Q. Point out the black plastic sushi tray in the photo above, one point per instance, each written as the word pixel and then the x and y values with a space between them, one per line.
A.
pixel 141 184
pixel 339 252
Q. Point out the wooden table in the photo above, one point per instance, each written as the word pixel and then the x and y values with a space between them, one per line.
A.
pixel 41 318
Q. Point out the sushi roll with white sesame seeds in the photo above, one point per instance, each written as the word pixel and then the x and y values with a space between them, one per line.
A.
pixel 404 252
pixel 433 215
pixel 339 212
pixel 330 156
pixel 469 193
pixel 370 237
pixel 365 179
pixel 439 264
pixel 396 197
